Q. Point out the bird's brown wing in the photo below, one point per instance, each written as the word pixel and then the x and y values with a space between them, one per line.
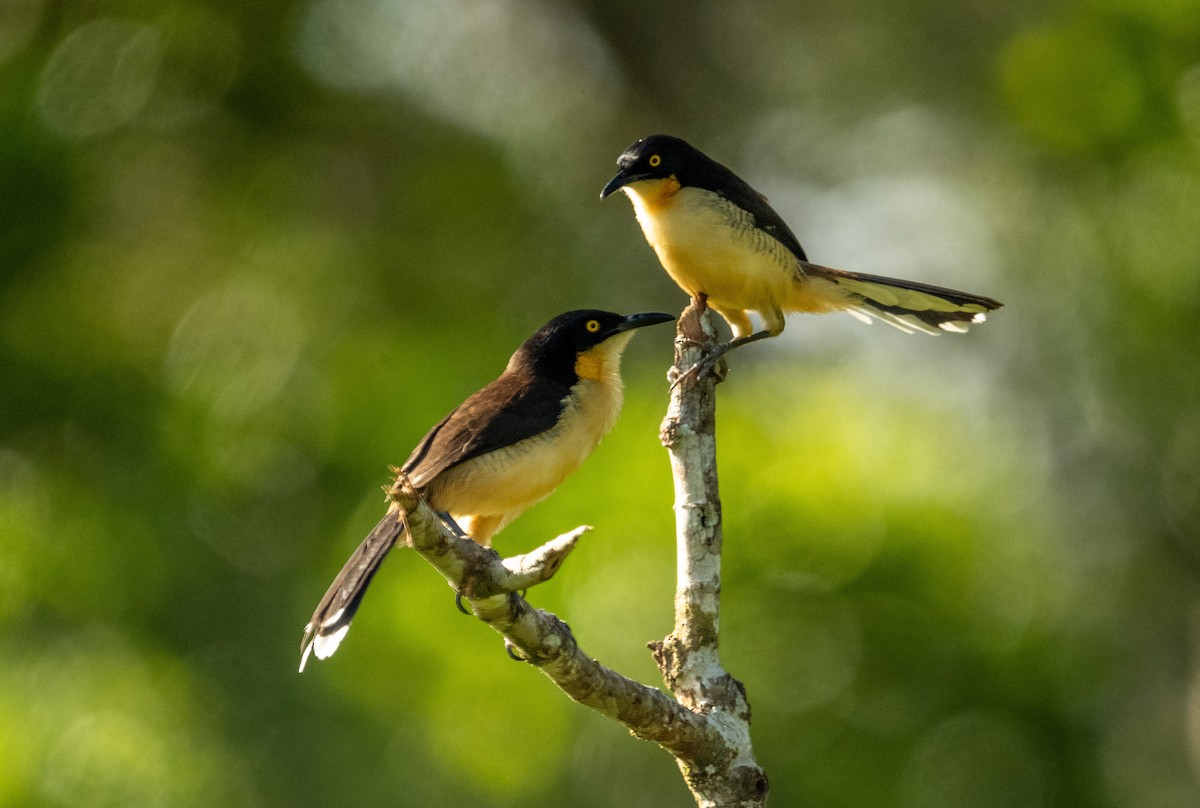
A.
pixel 505 412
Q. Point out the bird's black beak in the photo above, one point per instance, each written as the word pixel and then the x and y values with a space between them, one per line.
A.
pixel 621 179
pixel 639 321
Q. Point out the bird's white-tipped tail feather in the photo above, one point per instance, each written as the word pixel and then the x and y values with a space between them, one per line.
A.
pixel 323 645
pixel 906 305
pixel 331 620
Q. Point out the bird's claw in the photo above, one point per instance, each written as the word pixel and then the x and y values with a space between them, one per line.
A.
pixel 713 363
pixel 458 602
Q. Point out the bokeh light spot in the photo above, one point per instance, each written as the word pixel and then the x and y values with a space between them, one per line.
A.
pixel 530 76
pixel 99 77
pixel 235 349
pixel 974 760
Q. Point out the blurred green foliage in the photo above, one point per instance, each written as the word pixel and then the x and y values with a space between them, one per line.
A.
pixel 249 253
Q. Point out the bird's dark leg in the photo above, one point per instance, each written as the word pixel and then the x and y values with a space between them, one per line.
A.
pixel 714 361
pixel 739 321
pixel 450 523
pixel 458 602
pixel 462 534
pixel 726 347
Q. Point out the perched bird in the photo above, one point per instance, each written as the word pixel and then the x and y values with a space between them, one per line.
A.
pixel 502 450
pixel 720 241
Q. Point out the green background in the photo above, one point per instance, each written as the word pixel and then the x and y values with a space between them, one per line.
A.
pixel 250 252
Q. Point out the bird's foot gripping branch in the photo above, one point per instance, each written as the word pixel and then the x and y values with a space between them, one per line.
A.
pixel 696 342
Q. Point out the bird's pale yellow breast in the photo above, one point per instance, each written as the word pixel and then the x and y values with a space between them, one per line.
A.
pixel 508 480
pixel 707 245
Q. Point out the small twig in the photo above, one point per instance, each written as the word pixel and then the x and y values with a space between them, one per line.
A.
pixel 540 565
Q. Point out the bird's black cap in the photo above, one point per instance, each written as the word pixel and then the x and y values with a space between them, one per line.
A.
pixel 557 343
pixel 588 327
pixel 655 157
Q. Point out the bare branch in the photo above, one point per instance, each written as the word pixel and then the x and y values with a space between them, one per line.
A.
pixel 688 657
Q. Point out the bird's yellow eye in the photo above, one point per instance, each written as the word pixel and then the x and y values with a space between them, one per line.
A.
pixel 655 161
pixel 593 326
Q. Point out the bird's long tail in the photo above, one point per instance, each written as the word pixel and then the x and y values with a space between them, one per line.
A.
pixel 331 620
pixel 906 305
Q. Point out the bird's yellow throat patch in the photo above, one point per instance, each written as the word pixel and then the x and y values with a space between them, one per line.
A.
pixel 602 362
pixel 651 194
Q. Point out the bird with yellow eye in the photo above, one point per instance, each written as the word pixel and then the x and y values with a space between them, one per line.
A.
pixel 721 242
pixel 502 450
